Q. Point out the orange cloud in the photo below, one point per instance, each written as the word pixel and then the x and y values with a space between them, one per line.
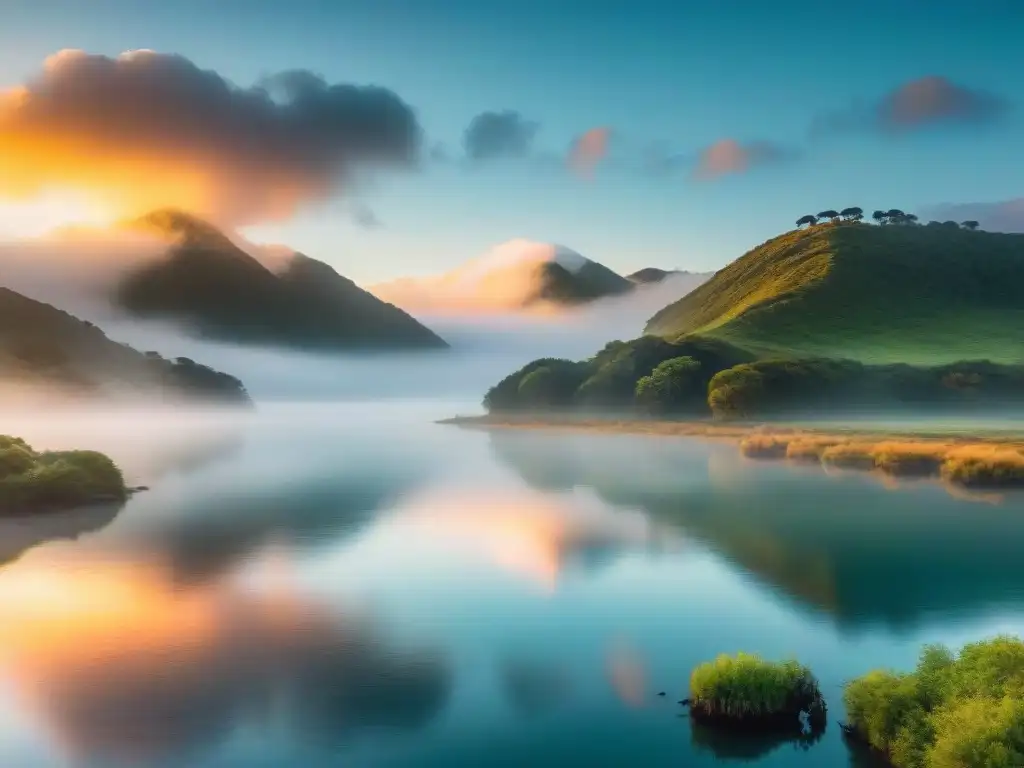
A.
pixel 729 156
pixel 144 130
pixel 589 150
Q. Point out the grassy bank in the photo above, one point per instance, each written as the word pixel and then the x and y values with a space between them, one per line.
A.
pixel 987 460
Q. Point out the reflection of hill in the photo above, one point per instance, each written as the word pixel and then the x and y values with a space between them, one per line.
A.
pixel 217 530
pixel 19 534
pixel 132 670
pixel 841 544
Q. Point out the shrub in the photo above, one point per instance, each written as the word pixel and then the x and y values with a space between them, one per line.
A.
pixel 737 392
pixel 984 467
pixel 761 446
pixel 909 459
pixel 849 455
pixel 746 688
pixel 950 712
pixel 675 384
pixel 31 481
pixel 808 448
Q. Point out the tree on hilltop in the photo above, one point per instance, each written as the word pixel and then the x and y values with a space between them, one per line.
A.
pixel 810 220
pixel 879 217
pixel 829 214
pixel 852 214
pixel 971 225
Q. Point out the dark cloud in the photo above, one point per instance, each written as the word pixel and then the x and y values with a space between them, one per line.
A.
pixel 156 126
pixel 1004 216
pixel 915 105
pixel 729 156
pixel 492 135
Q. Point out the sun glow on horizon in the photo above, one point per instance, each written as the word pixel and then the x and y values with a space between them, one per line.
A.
pixel 52 211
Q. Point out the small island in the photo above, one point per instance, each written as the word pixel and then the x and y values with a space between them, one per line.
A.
pixel 747 693
pixel 952 711
pixel 49 481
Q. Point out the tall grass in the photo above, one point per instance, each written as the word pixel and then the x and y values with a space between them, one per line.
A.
pixel 746 688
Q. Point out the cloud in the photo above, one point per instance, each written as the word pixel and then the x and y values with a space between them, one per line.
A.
pixel 588 150
pixel 1003 216
pixel 147 129
pixel 366 218
pixel 729 156
pixel 916 105
pixel 492 135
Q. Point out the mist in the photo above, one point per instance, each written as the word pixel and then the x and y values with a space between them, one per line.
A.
pixel 78 270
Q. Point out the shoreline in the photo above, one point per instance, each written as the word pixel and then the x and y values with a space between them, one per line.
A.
pixel 985 460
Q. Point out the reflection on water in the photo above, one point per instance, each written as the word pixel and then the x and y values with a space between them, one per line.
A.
pixel 342 585
pixel 843 543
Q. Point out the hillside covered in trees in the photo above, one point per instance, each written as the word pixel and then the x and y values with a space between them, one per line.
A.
pixel 220 292
pixel 41 345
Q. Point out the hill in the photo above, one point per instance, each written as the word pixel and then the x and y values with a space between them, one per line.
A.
pixel 649 275
pixel 42 346
pixel 518 275
pixel 877 294
pixel 221 292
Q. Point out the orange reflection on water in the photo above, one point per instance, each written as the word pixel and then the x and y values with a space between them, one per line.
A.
pixel 627 674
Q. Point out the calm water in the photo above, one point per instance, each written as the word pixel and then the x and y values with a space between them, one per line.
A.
pixel 354 585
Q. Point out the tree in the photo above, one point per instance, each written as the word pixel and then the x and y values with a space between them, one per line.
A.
pixel 910 218
pixel 809 220
pixel 879 217
pixel 895 216
pixel 951 224
pixel 675 384
pixel 852 214
pixel 971 225
pixel 829 214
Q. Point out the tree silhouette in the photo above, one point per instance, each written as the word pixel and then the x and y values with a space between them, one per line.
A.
pixel 971 225
pixel 809 220
pixel 879 217
pixel 895 216
pixel 910 218
pixel 852 214
pixel 829 214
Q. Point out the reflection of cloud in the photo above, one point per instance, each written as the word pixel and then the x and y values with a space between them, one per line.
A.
pixel 532 687
pixel 627 674
pixel 145 129
pixel 121 666
pixel 527 533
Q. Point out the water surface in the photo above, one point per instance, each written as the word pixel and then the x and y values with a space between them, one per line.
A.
pixel 352 584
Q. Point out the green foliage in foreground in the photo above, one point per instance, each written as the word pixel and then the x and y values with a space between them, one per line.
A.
pixel 951 712
pixel 31 481
pixel 746 686
pixel 698 376
pixel 922 295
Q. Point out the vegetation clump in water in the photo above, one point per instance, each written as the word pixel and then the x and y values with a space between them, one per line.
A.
pixel 950 712
pixel 33 481
pixel 745 691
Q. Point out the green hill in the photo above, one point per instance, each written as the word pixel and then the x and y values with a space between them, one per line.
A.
pixel 878 294
pixel 42 345
pixel 223 293
pixel 587 283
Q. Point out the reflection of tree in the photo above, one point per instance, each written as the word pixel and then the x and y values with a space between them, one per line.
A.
pixel 19 534
pixel 728 745
pixel 841 544
pixel 533 687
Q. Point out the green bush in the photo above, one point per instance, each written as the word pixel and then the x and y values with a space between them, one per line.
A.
pixel 951 712
pixel 31 481
pixel 746 687
pixel 673 385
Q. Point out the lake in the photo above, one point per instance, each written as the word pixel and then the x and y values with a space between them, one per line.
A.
pixel 353 584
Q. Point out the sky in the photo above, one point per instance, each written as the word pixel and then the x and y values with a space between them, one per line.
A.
pixel 639 134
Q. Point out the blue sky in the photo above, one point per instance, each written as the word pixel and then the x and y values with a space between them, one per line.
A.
pixel 681 75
